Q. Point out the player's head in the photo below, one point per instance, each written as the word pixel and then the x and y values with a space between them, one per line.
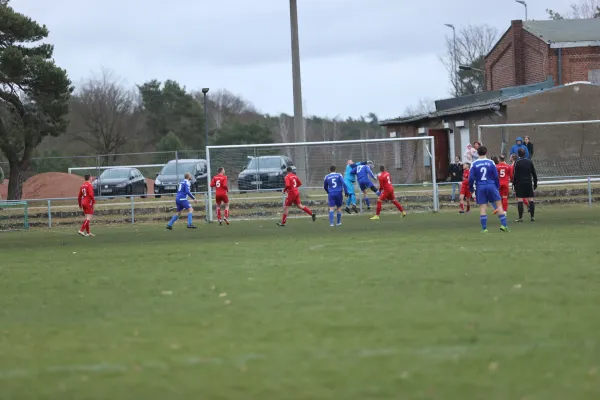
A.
pixel 332 168
pixel 289 170
pixel 502 158
pixel 481 150
pixel 349 162
pixel 188 176
pixel 370 164
pixel 495 159
pixel 526 139
pixel 467 165
pixel 513 157
pixel 87 177
pixel 476 145
pixel 220 170
pixel 381 168
pixel 521 152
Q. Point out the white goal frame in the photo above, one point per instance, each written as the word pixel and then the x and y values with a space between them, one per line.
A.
pixel 429 146
pixel 527 124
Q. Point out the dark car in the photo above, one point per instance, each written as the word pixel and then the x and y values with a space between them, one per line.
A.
pixel 173 172
pixel 120 181
pixel 265 172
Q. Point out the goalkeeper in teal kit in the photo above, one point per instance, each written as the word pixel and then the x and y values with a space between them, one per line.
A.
pixel 349 179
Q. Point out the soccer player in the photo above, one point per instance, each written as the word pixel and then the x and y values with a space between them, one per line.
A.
pixel 505 177
pixel 464 190
pixel 334 186
pixel 364 173
pixel 525 182
pixel 292 183
pixel 182 203
pixel 349 179
pixel 485 175
pixel 387 193
pixel 86 202
pixel 219 181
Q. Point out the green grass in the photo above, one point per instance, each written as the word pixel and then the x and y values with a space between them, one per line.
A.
pixel 423 307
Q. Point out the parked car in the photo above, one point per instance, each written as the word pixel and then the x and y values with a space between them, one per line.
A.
pixel 265 172
pixel 173 172
pixel 120 181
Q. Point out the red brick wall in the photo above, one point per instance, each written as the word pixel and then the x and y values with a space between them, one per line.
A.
pixel 521 58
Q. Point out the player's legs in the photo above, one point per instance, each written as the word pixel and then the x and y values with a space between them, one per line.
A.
pixel 461 201
pixel 88 219
pixel 190 212
pixel 286 209
pixel 531 208
pixel 227 212
pixel 339 215
pixel 492 195
pixel 331 215
pixel 305 209
pixel 483 217
pixel 504 192
pixel 218 202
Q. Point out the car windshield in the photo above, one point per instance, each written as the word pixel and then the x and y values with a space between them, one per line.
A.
pixel 266 163
pixel 115 174
pixel 179 168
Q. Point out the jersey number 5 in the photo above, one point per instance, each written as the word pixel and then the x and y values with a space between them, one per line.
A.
pixel 333 183
pixel 502 173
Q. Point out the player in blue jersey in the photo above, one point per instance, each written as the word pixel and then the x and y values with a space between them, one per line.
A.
pixel 364 175
pixel 485 176
pixel 181 200
pixel 335 187
pixel 349 179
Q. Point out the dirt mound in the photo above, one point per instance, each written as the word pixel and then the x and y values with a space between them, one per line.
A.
pixel 4 189
pixel 52 185
pixel 150 184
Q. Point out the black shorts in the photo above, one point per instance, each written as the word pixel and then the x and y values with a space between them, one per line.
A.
pixel 524 190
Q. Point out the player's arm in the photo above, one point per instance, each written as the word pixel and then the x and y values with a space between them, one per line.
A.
pixel 371 174
pixel 225 184
pixel 471 179
pixel 535 177
pixel 189 191
pixel 79 197
pixel 496 178
pixel 298 182
pixel 325 185
pixel 92 198
pixel 213 182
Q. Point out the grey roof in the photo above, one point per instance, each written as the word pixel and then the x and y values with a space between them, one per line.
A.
pixel 565 30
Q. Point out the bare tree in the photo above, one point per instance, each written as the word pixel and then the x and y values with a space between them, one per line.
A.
pixel 224 104
pixel 108 111
pixel 424 106
pixel 473 42
pixel 582 10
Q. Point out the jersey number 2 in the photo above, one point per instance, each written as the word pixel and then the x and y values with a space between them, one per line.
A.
pixel 483 171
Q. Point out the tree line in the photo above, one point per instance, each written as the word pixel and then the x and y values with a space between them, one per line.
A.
pixel 43 114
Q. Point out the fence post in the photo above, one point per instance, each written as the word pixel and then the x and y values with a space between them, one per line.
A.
pixel 132 209
pixel 26 216
pixel 49 213
pixel 206 209
pixel 589 191
pixel 360 199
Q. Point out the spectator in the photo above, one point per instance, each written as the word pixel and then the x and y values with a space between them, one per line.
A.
pixel 475 153
pixel 456 171
pixel 529 146
pixel 519 145
pixel 471 153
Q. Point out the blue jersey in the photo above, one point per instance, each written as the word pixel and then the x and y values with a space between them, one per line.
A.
pixel 363 172
pixel 334 183
pixel 184 190
pixel 483 173
pixel 350 176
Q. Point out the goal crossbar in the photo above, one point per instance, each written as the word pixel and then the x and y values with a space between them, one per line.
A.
pixel 429 141
pixel 528 124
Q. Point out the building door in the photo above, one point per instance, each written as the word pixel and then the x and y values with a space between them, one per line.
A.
pixel 464 141
pixel 441 152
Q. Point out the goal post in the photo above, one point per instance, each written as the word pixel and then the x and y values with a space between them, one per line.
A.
pixel 14 215
pixel 561 149
pixel 256 171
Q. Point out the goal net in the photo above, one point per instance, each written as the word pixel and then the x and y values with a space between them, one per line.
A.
pixel 13 215
pixel 256 172
pixel 561 150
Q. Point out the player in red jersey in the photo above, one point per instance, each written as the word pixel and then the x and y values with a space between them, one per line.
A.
pixel 86 202
pixel 219 181
pixel 505 177
pixel 387 193
pixel 292 183
pixel 464 189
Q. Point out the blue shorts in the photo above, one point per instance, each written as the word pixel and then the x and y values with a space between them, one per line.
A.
pixel 487 194
pixel 349 187
pixel 182 204
pixel 365 185
pixel 335 199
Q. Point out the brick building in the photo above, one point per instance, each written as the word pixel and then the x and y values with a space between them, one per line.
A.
pixel 531 51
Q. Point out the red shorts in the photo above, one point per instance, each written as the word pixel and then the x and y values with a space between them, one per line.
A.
pixel 87 209
pixel 222 198
pixel 504 191
pixel 292 198
pixel 387 196
pixel 464 190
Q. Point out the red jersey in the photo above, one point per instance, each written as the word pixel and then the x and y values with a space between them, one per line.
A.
pixel 466 173
pixel 385 182
pixel 219 182
pixel 292 183
pixel 86 195
pixel 504 173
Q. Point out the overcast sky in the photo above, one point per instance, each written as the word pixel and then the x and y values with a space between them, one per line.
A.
pixel 358 56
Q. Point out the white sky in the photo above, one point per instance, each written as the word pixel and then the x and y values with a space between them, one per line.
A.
pixel 358 56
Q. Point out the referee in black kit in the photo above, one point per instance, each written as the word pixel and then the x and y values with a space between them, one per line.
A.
pixel 524 182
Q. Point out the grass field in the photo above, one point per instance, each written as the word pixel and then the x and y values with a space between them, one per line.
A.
pixel 423 307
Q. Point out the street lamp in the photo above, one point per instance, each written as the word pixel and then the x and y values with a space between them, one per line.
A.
pixel 204 91
pixel 469 68
pixel 455 58
pixel 524 3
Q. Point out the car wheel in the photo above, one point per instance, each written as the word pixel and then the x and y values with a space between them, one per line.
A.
pixel 129 191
